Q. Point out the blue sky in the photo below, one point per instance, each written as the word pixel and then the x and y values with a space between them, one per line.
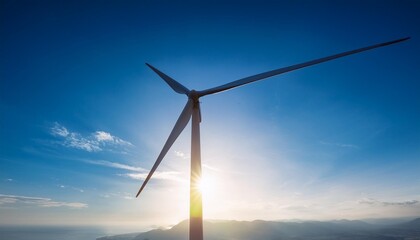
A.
pixel 83 119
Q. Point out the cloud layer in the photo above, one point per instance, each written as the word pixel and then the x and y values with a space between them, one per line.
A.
pixel 137 173
pixel 94 142
pixel 38 201
pixel 168 175
pixel 370 201
pixel 342 145
pixel 115 165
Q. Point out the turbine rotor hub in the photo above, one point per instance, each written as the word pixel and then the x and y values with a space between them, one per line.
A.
pixel 193 95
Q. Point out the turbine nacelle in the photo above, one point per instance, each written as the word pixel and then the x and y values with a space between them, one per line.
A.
pixel 194 95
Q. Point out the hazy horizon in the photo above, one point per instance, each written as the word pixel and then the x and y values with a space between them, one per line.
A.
pixel 133 226
pixel 306 230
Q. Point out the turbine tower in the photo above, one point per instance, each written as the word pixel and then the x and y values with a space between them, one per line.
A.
pixel 192 110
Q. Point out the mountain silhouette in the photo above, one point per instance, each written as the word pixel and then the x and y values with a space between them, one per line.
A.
pixel 273 230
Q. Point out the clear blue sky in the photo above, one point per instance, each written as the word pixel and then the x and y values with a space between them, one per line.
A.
pixel 82 119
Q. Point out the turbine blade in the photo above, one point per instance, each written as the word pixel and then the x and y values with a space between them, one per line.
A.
pixel 176 86
pixel 268 74
pixel 180 124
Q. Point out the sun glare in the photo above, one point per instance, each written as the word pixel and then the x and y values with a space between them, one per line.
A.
pixel 206 186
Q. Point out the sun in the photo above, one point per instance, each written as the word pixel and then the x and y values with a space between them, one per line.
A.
pixel 206 186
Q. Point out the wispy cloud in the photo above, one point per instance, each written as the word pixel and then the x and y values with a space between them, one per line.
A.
pixel 115 165
pixel 120 195
pixel 106 137
pixel 137 173
pixel 59 130
pixel 181 155
pixel 38 201
pixel 211 168
pixel 168 175
pixel 370 201
pixel 72 188
pixel 343 145
pixel 95 142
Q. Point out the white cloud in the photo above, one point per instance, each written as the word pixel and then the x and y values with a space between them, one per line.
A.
pixel 343 145
pixel 75 140
pixel 105 195
pixel 115 165
pixel 38 201
pixel 138 173
pixel 95 142
pixel 370 201
pixel 72 188
pixel 211 168
pixel 181 155
pixel 102 136
pixel 5 199
pixel 59 130
pixel 119 195
pixel 169 175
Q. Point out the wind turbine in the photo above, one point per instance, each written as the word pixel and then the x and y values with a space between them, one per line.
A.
pixel 192 109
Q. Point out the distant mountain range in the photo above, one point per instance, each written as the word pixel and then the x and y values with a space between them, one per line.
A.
pixel 271 230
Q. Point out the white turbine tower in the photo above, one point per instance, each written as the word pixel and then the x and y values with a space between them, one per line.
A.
pixel 192 108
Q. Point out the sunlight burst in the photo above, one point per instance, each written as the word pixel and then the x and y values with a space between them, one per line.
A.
pixel 206 186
